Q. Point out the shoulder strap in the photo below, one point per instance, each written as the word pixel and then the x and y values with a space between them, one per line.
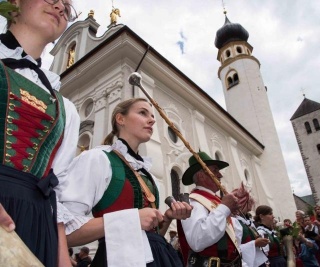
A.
pixel 209 205
pixel 145 189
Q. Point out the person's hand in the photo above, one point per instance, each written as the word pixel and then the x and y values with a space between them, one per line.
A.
pixel 231 201
pixel 5 220
pixel 316 223
pixel 150 218
pixel 261 242
pixel 179 210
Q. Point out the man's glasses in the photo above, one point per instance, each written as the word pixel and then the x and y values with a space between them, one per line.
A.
pixel 69 13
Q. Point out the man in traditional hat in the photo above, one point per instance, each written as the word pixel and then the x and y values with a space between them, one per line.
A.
pixel 208 237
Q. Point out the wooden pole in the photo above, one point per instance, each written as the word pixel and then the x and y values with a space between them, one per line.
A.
pixel 135 79
pixel 14 253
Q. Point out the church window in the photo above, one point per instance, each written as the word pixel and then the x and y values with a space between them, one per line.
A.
pixel 86 108
pixel 308 128
pixel 318 148
pixel 172 135
pixel 232 79
pixel 316 124
pixel 239 49
pixel 175 183
pixel 228 53
pixel 235 78
pixel 84 142
pixel 217 156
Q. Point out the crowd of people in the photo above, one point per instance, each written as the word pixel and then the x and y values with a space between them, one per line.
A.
pixel 40 177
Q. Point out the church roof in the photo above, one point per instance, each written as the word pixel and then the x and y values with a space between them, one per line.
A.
pixel 230 32
pixel 307 106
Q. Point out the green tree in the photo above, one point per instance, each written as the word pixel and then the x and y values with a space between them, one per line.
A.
pixel 6 9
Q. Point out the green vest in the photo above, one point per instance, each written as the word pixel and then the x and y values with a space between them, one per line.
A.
pixel 123 182
pixel 32 123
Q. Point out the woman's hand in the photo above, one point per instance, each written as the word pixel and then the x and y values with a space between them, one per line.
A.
pixel 179 210
pixel 5 220
pixel 150 218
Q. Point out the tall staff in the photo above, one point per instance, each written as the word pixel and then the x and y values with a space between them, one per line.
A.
pixel 135 79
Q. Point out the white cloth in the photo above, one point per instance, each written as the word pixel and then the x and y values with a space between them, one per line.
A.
pixel 67 150
pixel 252 256
pixel 119 244
pixel 88 177
pixel 204 229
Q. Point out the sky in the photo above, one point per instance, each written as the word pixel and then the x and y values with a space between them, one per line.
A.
pixel 285 36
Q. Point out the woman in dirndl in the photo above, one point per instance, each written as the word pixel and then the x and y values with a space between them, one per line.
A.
pixel 38 131
pixel 114 183
pixel 274 250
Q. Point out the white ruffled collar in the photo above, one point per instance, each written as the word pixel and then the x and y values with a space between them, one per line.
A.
pixel 122 148
pixel 244 220
pixel 266 230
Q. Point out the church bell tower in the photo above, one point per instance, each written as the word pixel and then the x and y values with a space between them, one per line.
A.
pixel 247 101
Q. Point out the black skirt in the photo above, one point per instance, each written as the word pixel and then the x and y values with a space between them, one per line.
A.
pixel 277 261
pixel 164 254
pixel 31 203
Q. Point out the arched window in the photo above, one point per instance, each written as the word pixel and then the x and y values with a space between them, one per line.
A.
pixel 316 124
pixel 239 49
pixel 84 143
pixel 318 148
pixel 235 78
pixel 232 79
pixel 230 82
pixel 216 155
pixel 175 183
pixel 228 53
pixel 308 128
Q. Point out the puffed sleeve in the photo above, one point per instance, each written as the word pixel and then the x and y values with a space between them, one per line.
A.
pixel 267 247
pixel 203 229
pixel 67 149
pixel 87 178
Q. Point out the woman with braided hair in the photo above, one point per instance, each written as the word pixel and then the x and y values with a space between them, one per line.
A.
pixel 122 194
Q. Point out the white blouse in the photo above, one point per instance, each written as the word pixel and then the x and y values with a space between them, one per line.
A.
pixel 87 179
pixel 67 150
pixel 252 256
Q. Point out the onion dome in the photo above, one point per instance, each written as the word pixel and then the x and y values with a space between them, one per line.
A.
pixel 230 32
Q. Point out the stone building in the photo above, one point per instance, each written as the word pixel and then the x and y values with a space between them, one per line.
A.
pixel 244 135
pixel 305 123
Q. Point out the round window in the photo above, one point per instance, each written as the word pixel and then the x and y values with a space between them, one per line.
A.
pixel 172 135
pixel 88 109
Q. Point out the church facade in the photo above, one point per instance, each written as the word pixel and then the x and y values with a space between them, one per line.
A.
pixel 244 135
